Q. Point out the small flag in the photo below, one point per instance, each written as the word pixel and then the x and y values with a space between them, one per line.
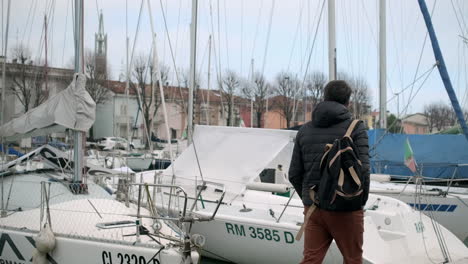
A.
pixel 409 158
pixel 241 123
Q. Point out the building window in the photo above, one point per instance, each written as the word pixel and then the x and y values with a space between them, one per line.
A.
pixel 123 109
pixel 173 133
pixel 123 130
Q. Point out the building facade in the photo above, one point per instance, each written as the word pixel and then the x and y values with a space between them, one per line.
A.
pixel 112 115
pixel 415 124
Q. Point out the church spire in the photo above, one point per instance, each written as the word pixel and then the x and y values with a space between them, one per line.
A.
pixel 100 49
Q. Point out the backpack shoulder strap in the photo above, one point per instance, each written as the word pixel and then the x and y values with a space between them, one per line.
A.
pixel 351 128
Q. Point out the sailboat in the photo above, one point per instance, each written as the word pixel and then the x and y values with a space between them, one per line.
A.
pixel 257 221
pixel 257 224
pixel 447 204
pixel 58 216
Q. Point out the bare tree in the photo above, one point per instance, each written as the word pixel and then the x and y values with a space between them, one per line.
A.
pixel 315 84
pixel 439 116
pixel 149 99
pixel 286 86
pixel 197 95
pixel 27 78
pixel 258 91
pixel 360 98
pixel 95 79
pixel 431 112
pixel 229 88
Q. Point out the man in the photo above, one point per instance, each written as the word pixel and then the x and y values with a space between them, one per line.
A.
pixel 330 120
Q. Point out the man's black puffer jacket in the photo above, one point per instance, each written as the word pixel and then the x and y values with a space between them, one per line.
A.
pixel 330 121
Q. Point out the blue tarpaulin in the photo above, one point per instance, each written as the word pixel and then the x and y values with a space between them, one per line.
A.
pixel 11 151
pixel 437 156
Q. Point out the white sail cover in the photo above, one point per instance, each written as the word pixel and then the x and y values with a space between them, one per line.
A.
pixel 72 108
pixel 232 155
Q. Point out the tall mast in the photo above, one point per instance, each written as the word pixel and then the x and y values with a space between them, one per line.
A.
pixel 331 41
pixel 442 67
pixel 383 64
pixel 208 85
pixel 2 110
pixel 45 46
pixel 78 136
pixel 252 96
pixel 127 86
pixel 304 101
pixel 193 50
pixel 127 75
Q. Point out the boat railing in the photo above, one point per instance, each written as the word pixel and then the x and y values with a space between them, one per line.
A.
pixel 181 215
pixel 217 186
pixel 286 206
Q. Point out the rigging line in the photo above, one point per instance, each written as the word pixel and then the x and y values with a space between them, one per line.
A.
pixel 172 56
pixel 466 79
pixel 219 38
pixel 308 23
pixel 462 17
pixel 52 23
pixel 268 36
pixel 97 9
pixel 309 39
pixel 308 61
pixel 458 67
pixel 372 148
pixel 369 23
pixel 398 65
pixel 32 19
pixel 412 83
pixel 178 27
pixel 164 42
pixel 225 33
pixel 418 200
pixel 217 66
pixel 73 21
pixel 437 229
pixel 3 47
pixel 256 28
pixel 422 50
pixel 27 21
pixel 405 109
pixel 202 63
pixel 267 45
pixel 65 32
pixel 161 88
pixel 458 20
pixel 241 36
pixel 461 12
pixel 295 36
pixel 348 42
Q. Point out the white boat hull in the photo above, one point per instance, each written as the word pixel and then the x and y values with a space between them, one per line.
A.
pixel 255 236
pixel 139 163
pixel 18 247
pixel 448 210
pixel 247 241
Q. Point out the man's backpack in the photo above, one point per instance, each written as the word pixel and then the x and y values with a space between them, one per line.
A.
pixel 340 187
pixel 341 179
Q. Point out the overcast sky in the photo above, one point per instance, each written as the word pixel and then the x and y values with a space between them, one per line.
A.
pixel 240 31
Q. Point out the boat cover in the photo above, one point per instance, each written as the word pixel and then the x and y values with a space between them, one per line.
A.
pixel 438 156
pixel 232 155
pixel 73 108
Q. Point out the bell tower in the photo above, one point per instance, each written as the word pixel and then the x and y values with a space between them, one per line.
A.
pixel 100 49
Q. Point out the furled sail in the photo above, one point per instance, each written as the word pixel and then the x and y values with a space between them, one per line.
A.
pixel 72 108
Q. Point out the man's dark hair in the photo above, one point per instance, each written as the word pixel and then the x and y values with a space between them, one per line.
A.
pixel 338 91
